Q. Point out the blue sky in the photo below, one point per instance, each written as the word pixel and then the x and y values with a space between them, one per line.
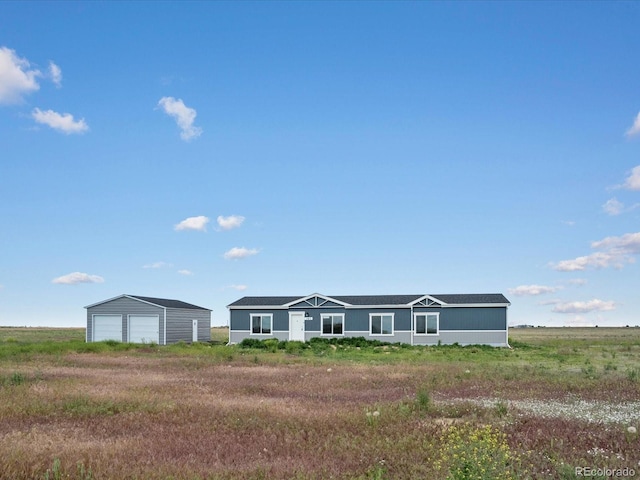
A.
pixel 206 151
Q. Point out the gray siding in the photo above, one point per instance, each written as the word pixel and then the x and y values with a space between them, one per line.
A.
pixel 493 338
pixel 470 318
pixel 358 319
pixel 125 307
pixel 180 325
pixel 241 320
pixel 463 325
pixel 397 337
pixel 313 325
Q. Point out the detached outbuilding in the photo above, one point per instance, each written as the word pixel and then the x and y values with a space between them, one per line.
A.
pixel 135 319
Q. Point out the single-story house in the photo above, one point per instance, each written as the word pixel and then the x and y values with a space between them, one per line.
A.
pixel 414 319
pixel 135 319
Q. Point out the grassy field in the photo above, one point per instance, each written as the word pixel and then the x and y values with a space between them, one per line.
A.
pixel 559 399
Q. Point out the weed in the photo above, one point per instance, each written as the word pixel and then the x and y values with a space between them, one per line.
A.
pixel 16 379
pixel 476 453
pixel 372 417
pixel 57 473
pixel 501 409
pixel 423 399
pixel 589 370
pixel 377 472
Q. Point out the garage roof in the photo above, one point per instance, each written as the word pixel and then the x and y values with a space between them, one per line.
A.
pixel 161 302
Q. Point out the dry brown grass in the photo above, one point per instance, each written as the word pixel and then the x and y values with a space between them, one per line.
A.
pixel 159 413
pixel 128 417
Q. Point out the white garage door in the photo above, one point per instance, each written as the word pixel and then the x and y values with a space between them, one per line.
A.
pixel 144 329
pixel 107 327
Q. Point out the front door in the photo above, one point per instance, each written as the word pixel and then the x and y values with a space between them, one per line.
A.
pixel 194 335
pixel 296 326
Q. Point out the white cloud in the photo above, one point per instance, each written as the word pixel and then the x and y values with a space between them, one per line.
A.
pixel 185 272
pixel 529 290
pixel 595 260
pixel 156 265
pixel 55 74
pixel 62 122
pixel 627 244
pixel 633 180
pixel 16 77
pixel 237 253
pixel 230 222
pixel 635 128
pixel 613 207
pixel 183 115
pixel 240 288
pixel 584 307
pixel 578 281
pixel 77 277
pixel 193 223
pixel 615 252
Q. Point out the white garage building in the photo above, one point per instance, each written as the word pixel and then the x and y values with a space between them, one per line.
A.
pixel 135 319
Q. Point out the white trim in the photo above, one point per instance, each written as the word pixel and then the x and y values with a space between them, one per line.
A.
pixel 407 331
pixel 105 301
pixel 427 297
pixel 257 307
pixel 124 296
pixel 251 315
pixel 382 314
pixel 377 307
pixel 426 314
pixel 249 331
pixel 165 325
pixel 319 295
pixel 475 305
pixel 413 324
pixel 322 334
pixel 351 306
pixel 506 319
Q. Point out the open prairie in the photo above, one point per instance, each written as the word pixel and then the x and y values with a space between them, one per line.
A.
pixel 560 399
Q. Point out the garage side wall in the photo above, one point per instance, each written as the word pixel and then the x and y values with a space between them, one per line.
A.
pixel 180 325
pixel 124 307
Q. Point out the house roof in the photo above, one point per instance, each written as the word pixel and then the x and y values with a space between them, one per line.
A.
pixel 161 302
pixel 372 300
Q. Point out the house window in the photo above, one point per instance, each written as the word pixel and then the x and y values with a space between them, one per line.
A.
pixel 381 323
pixel 426 323
pixel 332 324
pixel 261 323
